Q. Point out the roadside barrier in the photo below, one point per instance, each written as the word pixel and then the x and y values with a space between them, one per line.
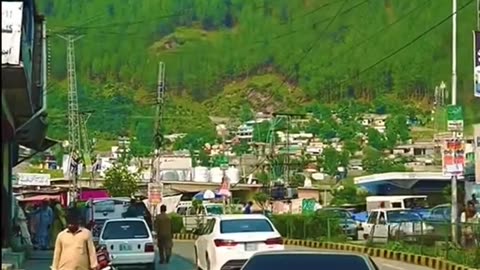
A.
pixel 432 262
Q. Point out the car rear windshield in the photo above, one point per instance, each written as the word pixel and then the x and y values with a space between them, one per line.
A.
pixel 126 229
pixel 307 261
pixel 245 225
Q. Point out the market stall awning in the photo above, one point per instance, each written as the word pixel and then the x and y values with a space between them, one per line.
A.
pixel 39 198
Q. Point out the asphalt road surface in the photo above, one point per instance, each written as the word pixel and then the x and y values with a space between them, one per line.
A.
pixel 184 256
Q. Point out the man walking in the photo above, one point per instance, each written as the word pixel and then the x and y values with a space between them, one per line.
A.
pixel 74 248
pixel 163 227
pixel 45 219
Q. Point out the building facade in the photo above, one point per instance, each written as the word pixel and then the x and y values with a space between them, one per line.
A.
pixel 24 73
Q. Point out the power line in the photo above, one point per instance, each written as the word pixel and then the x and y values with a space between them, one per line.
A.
pixel 314 43
pixel 380 31
pixel 408 44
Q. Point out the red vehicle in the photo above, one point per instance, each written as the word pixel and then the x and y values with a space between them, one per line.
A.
pixel 103 258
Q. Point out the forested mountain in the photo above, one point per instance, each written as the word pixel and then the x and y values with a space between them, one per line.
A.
pixel 324 51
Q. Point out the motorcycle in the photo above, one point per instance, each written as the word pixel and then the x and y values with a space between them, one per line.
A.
pixel 104 259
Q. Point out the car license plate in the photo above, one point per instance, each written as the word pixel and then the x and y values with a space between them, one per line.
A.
pixel 125 247
pixel 250 246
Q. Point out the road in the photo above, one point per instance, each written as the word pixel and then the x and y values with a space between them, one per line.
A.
pixel 184 256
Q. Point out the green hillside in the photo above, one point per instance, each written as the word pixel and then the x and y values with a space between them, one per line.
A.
pixel 223 54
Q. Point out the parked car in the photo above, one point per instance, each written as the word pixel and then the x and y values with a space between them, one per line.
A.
pixel 384 223
pixel 129 241
pixel 349 225
pixel 228 241
pixel 308 260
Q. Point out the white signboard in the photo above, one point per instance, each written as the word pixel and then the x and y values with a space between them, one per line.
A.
pixel 33 179
pixel 12 15
pixel 175 163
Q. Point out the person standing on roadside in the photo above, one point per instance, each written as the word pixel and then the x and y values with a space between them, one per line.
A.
pixel 74 248
pixel 163 228
pixel 45 220
pixel 248 208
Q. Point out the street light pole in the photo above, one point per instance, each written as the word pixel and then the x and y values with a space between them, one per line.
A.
pixel 454 102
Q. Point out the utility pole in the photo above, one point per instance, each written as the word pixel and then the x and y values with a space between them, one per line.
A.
pixel 478 15
pixel 454 203
pixel 73 115
pixel 158 137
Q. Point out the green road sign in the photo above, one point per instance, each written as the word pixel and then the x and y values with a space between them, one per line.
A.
pixel 455 118
pixel 308 206
pixel 454 113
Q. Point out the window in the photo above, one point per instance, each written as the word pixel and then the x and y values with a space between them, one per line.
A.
pixel 372 219
pixel 307 261
pixel 127 229
pixel 245 225
pixel 182 211
pixel 402 216
pixel 104 206
pixel 396 205
pixel 214 209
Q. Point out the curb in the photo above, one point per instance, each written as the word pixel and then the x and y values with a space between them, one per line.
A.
pixel 427 261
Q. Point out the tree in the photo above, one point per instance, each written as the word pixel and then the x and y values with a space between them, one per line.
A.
pixel 348 193
pixel 119 182
pixel 396 129
pixel 375 139
pixel 240 149
pixel 330 159
pixel 246 113
pixel 261 199
pixel 352 146
pixel 261 132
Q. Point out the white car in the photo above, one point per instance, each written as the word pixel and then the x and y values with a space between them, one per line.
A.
pixel 129 242
pixel 228 241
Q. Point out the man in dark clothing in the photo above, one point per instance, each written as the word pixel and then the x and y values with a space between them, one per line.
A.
pixel 248 208
pixel 163 227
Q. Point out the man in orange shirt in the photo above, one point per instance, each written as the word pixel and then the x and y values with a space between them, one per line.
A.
pixel 74 248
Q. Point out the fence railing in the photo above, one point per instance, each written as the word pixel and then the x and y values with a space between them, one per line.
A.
pixel 422 237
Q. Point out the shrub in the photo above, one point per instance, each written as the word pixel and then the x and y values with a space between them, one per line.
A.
pixel 177 223
pixel 312 227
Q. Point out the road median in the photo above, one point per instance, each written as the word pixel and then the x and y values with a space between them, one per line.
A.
pixel 427 261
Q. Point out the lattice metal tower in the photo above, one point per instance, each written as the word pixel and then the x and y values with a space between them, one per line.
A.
pixel 73 115
pixel 158 135
pixel 160 106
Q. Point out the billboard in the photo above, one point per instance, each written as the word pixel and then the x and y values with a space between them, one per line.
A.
pixel 476 62
pixel 155 193
pixel 453 157
pixel 12 15
pixel 33 179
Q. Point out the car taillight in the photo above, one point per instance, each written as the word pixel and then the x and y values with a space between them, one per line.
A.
pixel 149 247
pixel 274 241
pixel 224 243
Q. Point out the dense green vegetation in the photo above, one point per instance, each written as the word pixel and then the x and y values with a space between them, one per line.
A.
pixel 215 50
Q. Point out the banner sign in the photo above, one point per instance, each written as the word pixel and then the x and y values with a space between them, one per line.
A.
pixel 155 193
pixel 12 15
pixel 454 118
pixel 33 179
pixel 476 62
pixel 453 157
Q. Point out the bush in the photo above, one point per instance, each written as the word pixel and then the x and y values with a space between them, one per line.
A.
pixel 177 223
pixel 311 227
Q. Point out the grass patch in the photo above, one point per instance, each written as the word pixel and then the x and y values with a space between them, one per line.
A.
pixel 261 92
pixel 104 145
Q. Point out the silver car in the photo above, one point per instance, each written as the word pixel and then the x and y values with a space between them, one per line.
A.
pixel 308 260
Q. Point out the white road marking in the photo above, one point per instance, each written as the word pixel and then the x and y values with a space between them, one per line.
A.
pixel 392 266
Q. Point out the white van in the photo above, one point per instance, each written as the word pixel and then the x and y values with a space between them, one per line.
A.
pixel 192 217
pixel 396 202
